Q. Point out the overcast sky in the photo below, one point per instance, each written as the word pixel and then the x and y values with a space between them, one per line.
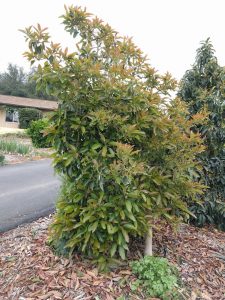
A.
pixel 168 31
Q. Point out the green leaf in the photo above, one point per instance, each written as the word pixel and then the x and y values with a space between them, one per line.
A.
pixel 122 252
pixel 104 151
pixel 128 206
pixel 130 226
pixel 125 234
pixel 96 146
pixel 93 227
pixel 69 209
pixel 111 229
pixel 113 249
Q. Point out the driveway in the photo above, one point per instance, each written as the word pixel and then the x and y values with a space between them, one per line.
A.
pixel 27 191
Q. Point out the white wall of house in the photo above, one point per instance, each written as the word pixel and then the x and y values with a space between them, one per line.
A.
pixel 3 122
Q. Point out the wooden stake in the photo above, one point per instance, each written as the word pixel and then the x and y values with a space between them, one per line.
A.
pixel 148 243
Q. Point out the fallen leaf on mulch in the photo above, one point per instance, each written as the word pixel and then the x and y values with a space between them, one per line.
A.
pixel 29 270
pixel 199 254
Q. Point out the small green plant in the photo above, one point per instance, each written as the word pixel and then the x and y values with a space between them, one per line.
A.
pixel 36 132
pixel 14 147
pixel 157 277
pixel 2 159
pixel 27 115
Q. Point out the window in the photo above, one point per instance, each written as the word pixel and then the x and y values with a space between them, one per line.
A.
pixel 12 116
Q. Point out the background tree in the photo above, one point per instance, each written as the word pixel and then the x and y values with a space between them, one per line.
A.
pixel 12 82
pixel 125 155
pixel 16 82
pixel 203 88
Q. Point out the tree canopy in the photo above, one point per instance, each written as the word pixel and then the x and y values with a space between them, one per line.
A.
pixel 125 152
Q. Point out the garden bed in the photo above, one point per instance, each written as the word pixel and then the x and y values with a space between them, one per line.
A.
pixel 29 270
pixel 26 151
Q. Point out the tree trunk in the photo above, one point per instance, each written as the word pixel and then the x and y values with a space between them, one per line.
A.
pixel 148 243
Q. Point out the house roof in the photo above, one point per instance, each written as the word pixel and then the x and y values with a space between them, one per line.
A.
pixel 28 102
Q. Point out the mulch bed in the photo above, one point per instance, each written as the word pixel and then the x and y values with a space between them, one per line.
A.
pixel 200 257
pixel 29 270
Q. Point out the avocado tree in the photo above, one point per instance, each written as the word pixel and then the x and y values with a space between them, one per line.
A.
pixel 125 154
pixel 203 89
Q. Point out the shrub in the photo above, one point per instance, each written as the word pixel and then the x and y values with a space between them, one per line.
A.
pixel 27 115
pixel 14 147
pixel 209 212
pixel 36 132
pixel 124 153
pixel 157 277
pixel 2 159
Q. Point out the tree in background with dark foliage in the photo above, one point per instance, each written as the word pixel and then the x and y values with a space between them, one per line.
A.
pixel 203 89
pixel 16 82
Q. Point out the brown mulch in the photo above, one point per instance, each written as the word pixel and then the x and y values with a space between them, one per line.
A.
pixel 29 270
pixel 199 254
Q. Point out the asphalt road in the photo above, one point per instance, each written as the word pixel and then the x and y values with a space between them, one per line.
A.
pixel 27 191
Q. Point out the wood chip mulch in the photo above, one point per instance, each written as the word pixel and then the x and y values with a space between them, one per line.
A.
pixel 199 254
pixel 29 270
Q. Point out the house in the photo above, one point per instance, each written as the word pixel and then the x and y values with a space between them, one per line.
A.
pixel 9 106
